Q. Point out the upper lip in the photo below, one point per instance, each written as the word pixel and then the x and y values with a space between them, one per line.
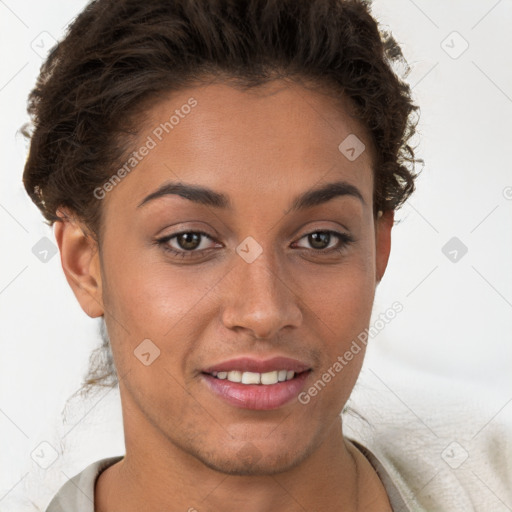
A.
pixel 248 364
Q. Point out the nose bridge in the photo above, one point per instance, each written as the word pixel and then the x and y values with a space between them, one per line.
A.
pixel 260 277
pixel 260 299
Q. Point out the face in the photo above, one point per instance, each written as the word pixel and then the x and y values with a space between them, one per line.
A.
pixel 190 287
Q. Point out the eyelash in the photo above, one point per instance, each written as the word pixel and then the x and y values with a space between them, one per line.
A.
pixel 344 238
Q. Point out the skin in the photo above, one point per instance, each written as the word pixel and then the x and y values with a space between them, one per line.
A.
pixel 184 445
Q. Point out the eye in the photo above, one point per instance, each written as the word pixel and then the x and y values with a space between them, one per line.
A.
pixel 187 241
pixel 320 241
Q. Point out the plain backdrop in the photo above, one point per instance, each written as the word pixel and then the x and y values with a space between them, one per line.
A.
pixel 450 349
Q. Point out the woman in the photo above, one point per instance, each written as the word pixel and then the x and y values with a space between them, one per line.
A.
pixel 223 177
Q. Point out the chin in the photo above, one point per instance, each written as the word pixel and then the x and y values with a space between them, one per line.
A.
pixel 249 460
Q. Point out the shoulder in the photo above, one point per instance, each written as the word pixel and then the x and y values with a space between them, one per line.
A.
pixel 431 471
pixel 77 494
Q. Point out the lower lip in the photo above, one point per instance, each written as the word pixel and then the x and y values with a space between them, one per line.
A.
pixel 257 396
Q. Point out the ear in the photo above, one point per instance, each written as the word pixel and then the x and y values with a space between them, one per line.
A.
pixel 383 227
pixel 80 261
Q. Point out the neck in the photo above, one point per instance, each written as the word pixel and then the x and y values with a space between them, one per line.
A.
pixel 150 477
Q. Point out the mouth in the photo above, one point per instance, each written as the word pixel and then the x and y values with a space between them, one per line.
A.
pixel 258 385
pixel 251 378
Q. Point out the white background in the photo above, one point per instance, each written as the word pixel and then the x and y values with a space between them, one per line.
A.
pixel 443 365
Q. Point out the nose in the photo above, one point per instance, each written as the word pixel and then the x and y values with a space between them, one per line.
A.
pixel 259 297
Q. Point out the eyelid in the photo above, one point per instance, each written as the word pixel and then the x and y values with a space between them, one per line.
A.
pixel 167 238
pixel 344 239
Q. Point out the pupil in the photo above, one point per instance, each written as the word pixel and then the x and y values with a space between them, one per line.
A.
pixel 187 237
pixel 324 238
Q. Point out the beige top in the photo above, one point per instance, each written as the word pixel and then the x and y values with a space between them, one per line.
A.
pixel 77 494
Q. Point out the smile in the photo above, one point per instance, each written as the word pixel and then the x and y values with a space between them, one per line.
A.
pixel 265 379
pixel 256 391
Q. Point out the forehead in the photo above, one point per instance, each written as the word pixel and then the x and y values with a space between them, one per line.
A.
pixel 274 140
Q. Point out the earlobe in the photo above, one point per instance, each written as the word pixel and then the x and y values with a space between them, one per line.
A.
pixel 80 262
pixel 384 225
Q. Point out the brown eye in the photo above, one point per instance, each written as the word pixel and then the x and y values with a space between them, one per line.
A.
pixel 188 241
pixel 320 241
pixel 186 244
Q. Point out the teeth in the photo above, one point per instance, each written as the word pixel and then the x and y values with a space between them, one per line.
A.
pixel 235 376
pixel 269 378
pixel 251 378
pixel 256 378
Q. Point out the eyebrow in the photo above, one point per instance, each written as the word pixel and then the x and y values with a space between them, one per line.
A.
pixel 208 197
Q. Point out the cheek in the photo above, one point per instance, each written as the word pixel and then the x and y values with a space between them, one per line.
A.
pixel 342 296
pixel 155 300
pixel 152 296
pixel 339 318
pixel 343 315
pixel 341 304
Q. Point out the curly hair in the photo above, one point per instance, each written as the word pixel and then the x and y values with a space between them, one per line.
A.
pixel 119 57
